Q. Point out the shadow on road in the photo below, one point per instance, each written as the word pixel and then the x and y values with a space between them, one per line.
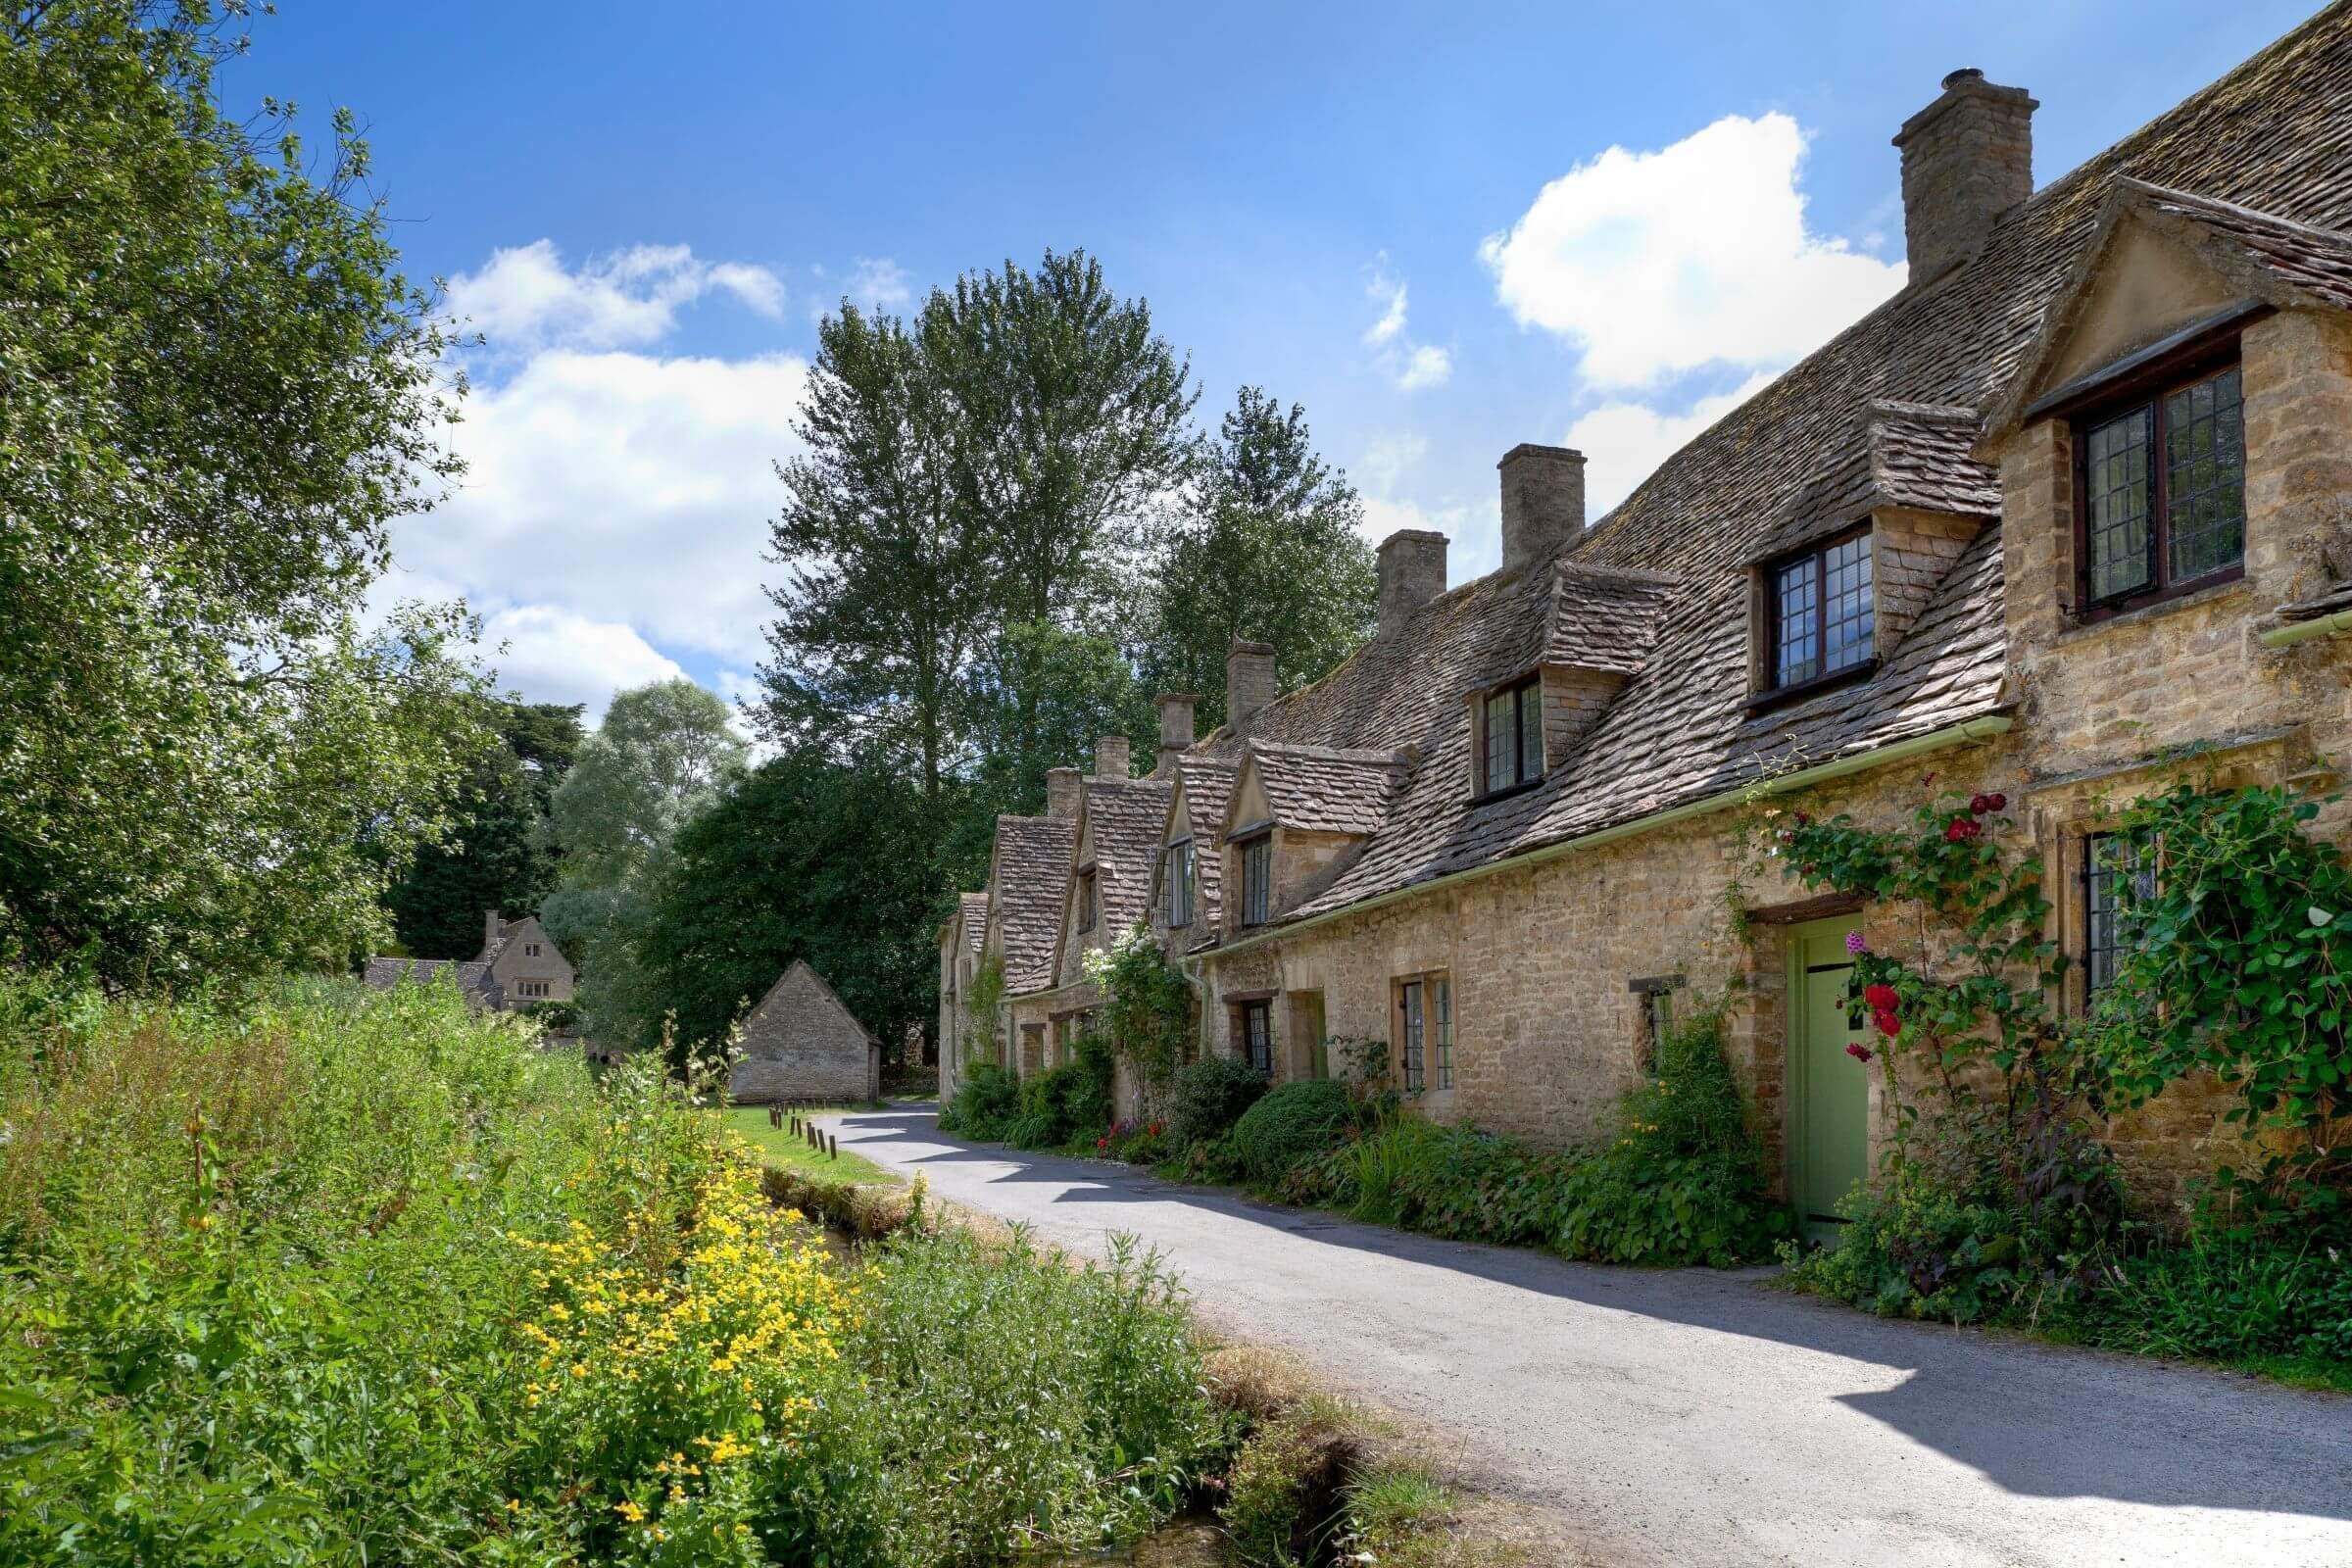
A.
pixel 1968 1396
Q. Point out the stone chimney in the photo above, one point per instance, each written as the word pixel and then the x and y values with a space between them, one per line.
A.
pixel 1064 785
pixel 1968 158
pixel 1111 757
pixel 1249 679
pixel 492 927
pixel 1543 501
pixel 1412 572
pixel 1175 729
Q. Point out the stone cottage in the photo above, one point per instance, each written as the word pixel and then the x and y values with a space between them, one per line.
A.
pixel 960 940
pixel 799 1044
pixel 519 964
pixel 2079 496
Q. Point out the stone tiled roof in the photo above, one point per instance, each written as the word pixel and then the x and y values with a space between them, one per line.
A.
pixel 1904 454
pixel 1328 789
pixel 472 976
pixel 2313 262
pixel 1032 869
pixel 2275 136
pixel 1606 617
pixel 972 909
pixel 1126 818
pixel 1207 782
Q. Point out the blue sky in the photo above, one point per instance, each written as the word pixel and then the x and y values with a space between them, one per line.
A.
pixel 1442 229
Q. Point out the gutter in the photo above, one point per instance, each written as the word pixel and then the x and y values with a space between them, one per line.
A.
pixel 2303 631
pixel 1960 734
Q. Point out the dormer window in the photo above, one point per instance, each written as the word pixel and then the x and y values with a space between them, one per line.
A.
pixel 2162 488
pixel 1822 611
pixel 1176 883
pixel 1511 736
pixel 1257 878
pixel 1085 900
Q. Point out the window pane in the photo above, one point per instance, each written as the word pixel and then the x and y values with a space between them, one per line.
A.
pixel 1413 1025
pixel 2109 861
pixel 1846 591
pixel 1257 1036
pixel 1531 732
pixel 1442 1007
pixel 2205 478
pixel 1257 859
pixel 1796 655
pixel 2115 504
pixel 1500 728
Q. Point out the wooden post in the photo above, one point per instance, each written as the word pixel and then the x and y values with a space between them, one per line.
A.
pixel 832 1147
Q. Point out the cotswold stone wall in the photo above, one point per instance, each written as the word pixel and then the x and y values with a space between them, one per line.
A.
pixel 799 1044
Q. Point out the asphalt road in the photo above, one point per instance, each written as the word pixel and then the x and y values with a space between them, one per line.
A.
pixel 1699 1418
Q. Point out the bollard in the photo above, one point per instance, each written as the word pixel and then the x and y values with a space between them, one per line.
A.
pixel 832 1147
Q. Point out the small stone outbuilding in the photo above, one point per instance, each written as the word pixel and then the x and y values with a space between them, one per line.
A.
pixel 801 1043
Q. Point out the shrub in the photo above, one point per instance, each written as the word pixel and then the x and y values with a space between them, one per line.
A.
pixel 1066 1105
pixel 2230 1299
pixel 1289 1124
pixel 1209 1097
pixel 987 1100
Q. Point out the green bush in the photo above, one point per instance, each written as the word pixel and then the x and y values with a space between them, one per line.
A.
pixel 1208 1097
pixel 1289 1124
pixel 987 1100
pixel 1282 1491
pixel 367 1244
pixel 2228 1298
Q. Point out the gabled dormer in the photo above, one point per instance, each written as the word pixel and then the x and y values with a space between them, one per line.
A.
pixel 1188 878
pixel 1599 625
pixel 1298 816
pixel 1858 550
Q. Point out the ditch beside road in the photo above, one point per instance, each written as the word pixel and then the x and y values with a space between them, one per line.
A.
pixel 1700 1418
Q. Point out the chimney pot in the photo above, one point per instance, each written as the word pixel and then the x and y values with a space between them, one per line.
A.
pixel 1063 787
pixel 1111 757
pixel 492 925
pixel 1968 158
pixel 1543 501
pixel 1412 572
pixel 1249 679
pixel 1175 729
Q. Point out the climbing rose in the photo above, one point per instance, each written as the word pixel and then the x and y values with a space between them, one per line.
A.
pixel 1858 1051
pixel 1997 801
pixel 1961 829
pixel 1854 943
pixel 1882 999
pixel 1888 1024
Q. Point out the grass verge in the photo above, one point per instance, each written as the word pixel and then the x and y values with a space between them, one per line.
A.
pixel 785 1150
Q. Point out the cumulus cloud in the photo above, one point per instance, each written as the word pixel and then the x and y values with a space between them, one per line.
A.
pixel 1624 442
pixel 557 656
pixel 1657 262
pixel 524 299
pixel 618 490
pixel 1411 366
pixel 879 283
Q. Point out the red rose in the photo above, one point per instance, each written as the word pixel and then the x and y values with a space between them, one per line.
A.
pixel 1802 820
pixel 1978 805
pixel 1888 1024
pixel 1882 999
pixel 1155 1129
pixel 1997 801
pixel 1858 1051
pixel 1101 1144
pixel 1961 829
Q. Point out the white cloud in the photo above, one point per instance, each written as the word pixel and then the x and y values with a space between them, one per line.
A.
pixel 1623 442
pixel 624 489
pixel 525 300
pixel 1390 456
pixel 1425 367
pixel 556 655
pixel 1662 261
pixel 879 283
pixel 1409 365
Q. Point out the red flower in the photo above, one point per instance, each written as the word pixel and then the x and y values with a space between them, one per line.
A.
pixel 1858 1051
pixel 1100 1144
pixel 1888 1024
pixel 1882 999
pixel 1155 1129
pixel 1961 829
pixel 1978 805
pixel 1997 801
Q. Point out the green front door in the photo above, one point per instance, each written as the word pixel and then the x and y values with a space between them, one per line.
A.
pixel 1829 1137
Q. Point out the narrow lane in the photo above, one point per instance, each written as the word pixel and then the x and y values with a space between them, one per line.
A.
pixel 1699 1418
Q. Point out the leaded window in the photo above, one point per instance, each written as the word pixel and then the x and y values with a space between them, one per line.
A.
pixel 2111 862
pixel 1412 1032
pixel 1512 727
pixel 1176 876
pixel 1822 616
pixel 1441 1029
pixel 1257 1036
pixel 1086 900
pixel 1257 876
pixel 2164 492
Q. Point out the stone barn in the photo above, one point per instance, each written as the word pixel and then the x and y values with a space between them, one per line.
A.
pixel 801 1044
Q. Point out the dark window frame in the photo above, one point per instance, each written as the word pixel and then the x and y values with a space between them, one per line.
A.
pixel 1817 555
pixel 1176 879
pixel 1253 1021
pixel 2104 930
pixel 1525 692
pixel 1257 890
pixel 1425 1021
pixel 1086 899
pixel 2149 389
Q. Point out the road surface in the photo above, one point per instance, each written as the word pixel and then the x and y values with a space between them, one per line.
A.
pixel 1696 1418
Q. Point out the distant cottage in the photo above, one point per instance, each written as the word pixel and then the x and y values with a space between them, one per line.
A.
pixel 801 1044
pixel 519 964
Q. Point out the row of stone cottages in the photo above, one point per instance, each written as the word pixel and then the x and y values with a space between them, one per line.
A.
pixel 2076 496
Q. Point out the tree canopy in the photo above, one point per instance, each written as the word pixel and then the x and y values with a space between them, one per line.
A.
pixel 221 391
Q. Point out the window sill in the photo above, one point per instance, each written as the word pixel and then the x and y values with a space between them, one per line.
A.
pixel 2089 624
pixel 1781 695
pixel 1506 792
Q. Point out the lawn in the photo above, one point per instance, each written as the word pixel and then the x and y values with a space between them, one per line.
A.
pixel 781 1147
